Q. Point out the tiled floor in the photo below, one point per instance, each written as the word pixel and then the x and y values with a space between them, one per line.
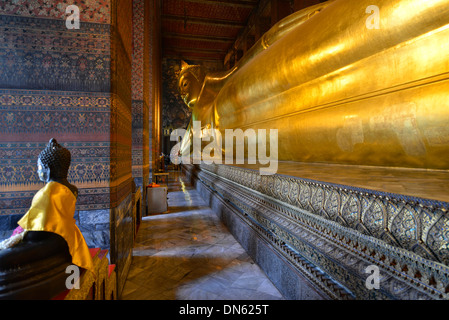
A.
pixel 188 254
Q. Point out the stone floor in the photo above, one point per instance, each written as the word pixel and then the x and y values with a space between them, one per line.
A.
pixel 188 254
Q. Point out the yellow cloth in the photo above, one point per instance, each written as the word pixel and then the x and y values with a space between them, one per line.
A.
pixel 52 210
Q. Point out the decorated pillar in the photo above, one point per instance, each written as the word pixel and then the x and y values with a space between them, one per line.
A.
pixel 156 108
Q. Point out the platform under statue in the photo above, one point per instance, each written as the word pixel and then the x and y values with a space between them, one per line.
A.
pixel 34 259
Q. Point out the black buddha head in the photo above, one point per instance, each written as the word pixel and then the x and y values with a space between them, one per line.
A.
pixel 53 162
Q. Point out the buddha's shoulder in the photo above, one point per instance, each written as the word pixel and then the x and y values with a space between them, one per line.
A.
pixel 53 186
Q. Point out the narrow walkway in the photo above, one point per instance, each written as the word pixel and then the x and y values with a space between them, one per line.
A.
pixel 188 254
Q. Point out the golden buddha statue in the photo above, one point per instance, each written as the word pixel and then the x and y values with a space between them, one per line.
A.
pixel 338 90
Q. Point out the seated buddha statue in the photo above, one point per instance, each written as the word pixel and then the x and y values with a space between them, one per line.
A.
pixel 34 259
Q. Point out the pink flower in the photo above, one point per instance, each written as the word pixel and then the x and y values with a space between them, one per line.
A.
pixel 17 230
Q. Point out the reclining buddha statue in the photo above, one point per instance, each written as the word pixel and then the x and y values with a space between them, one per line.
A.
pixel 34 259
pixel 342 82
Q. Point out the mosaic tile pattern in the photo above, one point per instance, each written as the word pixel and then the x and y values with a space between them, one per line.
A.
pixel 43 54
pixel 90 10
pixel 49 76
pixel 33 113
pixel 140 97
pixel 138 49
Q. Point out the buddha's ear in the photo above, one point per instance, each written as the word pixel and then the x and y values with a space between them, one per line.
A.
pixel 184 64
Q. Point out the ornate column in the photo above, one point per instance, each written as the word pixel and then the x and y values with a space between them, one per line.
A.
pixel 121 229
pixel 156 84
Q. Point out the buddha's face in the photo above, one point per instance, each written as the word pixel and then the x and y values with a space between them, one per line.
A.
pixel 42 171
pixel 189 88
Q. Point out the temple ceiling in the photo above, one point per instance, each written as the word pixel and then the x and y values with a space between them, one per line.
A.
pixel 203 30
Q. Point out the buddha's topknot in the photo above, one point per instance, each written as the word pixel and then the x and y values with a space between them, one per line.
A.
pixel 56 158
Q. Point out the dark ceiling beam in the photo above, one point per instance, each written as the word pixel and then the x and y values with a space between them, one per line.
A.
pixel 192 56
pixel 197 37
pixel 184 49
pixel 197 20
pixel 232 3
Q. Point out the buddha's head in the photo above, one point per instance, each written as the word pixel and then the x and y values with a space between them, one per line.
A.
pixel 53 162
pixel 190 82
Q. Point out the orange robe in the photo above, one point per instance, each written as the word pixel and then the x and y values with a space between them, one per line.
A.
pixel 52 210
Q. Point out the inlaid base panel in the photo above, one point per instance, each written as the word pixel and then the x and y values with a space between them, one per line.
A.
pixel 340 242
pixel 410 182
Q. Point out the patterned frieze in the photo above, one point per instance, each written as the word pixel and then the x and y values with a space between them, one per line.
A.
pixel 140 92
pixel 39 113
pixel 410 223
pixel 311 221
pixel 42 54
pixel 90 11
pixel 138 54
